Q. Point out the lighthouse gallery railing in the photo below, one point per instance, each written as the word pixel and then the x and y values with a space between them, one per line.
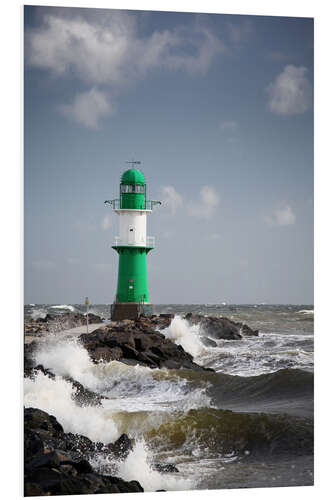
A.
pixel 149 204
pixel 150 242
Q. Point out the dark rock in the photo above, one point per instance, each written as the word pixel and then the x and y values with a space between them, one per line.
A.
pixel 220 327
pixel 55 472
pixel 130 343
pixel 46 460
pixel 38 419
pixel 83 396
pixel 46 371
pixel 82 466
pixel 208 342
pixel 165 468
pixel 121 447
pixel 33 445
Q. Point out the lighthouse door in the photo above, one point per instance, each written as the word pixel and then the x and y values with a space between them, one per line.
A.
pixel 131 235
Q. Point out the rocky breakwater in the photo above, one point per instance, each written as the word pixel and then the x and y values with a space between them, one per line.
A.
pixel 138 342
pixel 54 323
pixel 57 463
pixel 219 328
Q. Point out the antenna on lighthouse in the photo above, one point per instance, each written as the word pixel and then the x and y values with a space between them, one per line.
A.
pixel 134 162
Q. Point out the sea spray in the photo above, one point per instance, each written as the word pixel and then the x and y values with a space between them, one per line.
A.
pixel 186 335
pixel 138 465
pixel 55 396
pixel 131 388
pixel 38 314
pixel 64 306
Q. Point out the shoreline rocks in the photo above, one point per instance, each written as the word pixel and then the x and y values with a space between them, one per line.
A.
pixel 221 327
pixel 55 462
pixel 54 323
pixel 138 342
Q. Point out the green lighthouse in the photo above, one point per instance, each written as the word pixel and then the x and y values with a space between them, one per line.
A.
pixel 132 246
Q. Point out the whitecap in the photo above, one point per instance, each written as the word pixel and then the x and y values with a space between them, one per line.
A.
pixel 63 306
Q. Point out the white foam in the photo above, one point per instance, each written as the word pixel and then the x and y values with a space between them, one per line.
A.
pixel 138 466
pixel 55 397
pixel 64 306
pixel 186 335
pixel 38 313
pixel 306 311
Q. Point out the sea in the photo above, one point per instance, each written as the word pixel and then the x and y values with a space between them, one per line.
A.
pixel 247 424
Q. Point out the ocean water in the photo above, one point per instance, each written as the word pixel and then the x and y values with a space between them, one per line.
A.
pixel 249 424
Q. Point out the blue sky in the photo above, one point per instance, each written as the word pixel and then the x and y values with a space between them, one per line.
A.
pixel 219 110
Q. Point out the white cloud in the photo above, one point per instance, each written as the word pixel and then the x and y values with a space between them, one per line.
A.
pixel 43 265
pixel 107 222
pixel 172 200
pixel 207 204
pixel 107 49
pixel 291 92
pixel 88 108
pixel 283 215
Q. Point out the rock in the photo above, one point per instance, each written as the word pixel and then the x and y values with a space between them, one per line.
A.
pixel 165 468
pixel 220 327
pixel 49 460
pixel 46 371
pixel 56 472
pixel 33 445
pixel 54 323
pixel 121 447
pixel 38 419
pixel 208 342
pixel 83 396
pixel 136 342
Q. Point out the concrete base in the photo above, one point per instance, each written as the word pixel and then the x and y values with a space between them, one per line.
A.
pixel 129 310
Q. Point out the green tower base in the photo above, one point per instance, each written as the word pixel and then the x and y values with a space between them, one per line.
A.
pixel 130 310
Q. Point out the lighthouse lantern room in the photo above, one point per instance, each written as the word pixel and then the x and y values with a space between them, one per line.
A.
pixel 132 246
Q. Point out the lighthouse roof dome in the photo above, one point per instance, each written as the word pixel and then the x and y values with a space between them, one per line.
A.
pixel 133 176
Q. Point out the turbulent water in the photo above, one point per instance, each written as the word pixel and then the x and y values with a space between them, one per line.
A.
pixel 249 424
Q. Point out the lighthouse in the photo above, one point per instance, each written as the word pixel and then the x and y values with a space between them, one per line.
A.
pixel 132 246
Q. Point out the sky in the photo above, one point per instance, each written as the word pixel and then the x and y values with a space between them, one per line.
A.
pixel 219 110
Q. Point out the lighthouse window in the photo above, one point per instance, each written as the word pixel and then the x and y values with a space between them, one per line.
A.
pixel 139 189
pixel 127 188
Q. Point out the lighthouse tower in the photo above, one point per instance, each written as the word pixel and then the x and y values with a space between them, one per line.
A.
pixel 132 246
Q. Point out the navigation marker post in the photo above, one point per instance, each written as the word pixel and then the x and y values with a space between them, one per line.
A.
pixel 87 302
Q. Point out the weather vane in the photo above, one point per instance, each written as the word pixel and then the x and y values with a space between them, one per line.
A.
pixel 134 162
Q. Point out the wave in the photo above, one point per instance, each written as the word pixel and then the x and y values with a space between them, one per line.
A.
pixel 246 357
pixel 226 432
pixel 64 306
pixel 305 311
pixel 284 391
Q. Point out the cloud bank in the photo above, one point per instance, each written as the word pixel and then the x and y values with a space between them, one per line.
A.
pixel 106 50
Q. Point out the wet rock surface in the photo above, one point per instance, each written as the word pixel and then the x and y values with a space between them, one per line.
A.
pixel 138 342
pixel 54 323
pixel 221 327
pixel 57 463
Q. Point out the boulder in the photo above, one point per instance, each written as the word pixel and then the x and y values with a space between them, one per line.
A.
pixel 220 327
pixel 59 465
pixel 136 342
